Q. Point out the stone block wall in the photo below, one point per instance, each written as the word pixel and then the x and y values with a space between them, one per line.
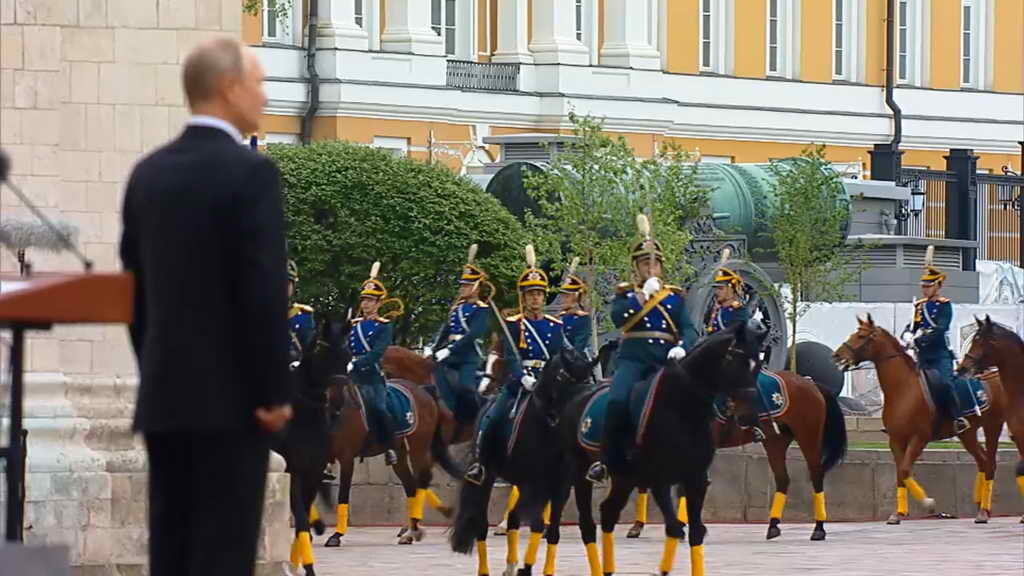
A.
pixel 86 88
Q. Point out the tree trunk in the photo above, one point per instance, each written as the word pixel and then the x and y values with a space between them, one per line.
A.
pixel 793 317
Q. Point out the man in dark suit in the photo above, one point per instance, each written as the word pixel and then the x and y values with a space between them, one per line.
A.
pixel 204 237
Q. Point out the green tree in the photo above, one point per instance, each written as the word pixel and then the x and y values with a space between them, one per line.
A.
pixel 808 215
pixel 589 198
pixel 281 8
pixel 348 205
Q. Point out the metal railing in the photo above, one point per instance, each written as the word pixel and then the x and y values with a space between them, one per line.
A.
pixel 499 77
pixel 999 226
pixel 931 222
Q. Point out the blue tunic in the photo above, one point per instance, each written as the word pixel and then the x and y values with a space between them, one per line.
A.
pixel 367 341
pixel 466 326
pixel 578 330
pixel 302 330
pixel 724 316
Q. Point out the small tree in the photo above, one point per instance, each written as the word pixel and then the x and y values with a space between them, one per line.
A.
pixel 348 205
pixel 807 218
pixel 593 190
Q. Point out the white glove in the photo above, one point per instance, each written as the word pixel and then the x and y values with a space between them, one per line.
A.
pixel 652 286
pixel 677 353
pixel 908 339
pixel 351 364
pixel 428 351
pixel 441 354
pixel 485 382
pixel 529 382
pixel 294 365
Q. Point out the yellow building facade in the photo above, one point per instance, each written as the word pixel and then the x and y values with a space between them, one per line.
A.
pixel 736 80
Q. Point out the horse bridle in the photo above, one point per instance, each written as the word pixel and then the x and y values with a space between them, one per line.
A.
pixel 855 350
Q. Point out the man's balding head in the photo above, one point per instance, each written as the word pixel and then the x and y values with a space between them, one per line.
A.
pixel 223 78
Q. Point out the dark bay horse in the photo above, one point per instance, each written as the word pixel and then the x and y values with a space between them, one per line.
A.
pixel 997 347
pixel 910 418
pixel 532 462
pixel 815 420
pixel 676 448
pixel 417 452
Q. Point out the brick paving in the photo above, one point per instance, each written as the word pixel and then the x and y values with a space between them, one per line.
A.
pixel 928 547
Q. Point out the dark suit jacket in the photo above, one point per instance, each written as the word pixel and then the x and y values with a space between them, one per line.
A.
pixel 204 236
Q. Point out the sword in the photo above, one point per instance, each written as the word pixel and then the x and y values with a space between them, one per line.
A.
pixel 505 332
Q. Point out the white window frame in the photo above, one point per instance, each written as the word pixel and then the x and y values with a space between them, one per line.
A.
pixel 787 39
pixel 847 42
pixel 719 37
pixel 442 26
pixel 778 26
pixel 358 13
pixel 977 44
pixel 397 146
pixel 913 69
pixel 579 19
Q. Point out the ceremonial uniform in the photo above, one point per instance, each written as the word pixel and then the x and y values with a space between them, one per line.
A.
pixel 725 315
pixel 301 324
pixel 576 324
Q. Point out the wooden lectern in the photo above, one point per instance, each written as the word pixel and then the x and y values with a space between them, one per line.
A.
pixel 37 302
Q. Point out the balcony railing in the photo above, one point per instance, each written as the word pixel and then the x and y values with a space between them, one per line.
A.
pixel 503 77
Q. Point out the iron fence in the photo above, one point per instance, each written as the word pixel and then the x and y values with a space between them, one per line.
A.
pixel 931 221
pixel 499 77
pixel 999 225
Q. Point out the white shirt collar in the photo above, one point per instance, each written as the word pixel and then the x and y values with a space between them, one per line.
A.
pixel 219 123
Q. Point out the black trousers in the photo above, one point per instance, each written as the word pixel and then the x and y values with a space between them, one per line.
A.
pixel 205 501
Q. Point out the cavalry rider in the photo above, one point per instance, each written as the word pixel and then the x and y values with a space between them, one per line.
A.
pixel 929 334
pixel 369 338
pixel 301 324
pixel 536 338
pixel 655 327
pixel 460 337
pixel 576 321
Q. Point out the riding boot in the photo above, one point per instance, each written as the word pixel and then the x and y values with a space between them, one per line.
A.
pixel 476 472
pixel 960 424
pixel 612 453
pixel 386 436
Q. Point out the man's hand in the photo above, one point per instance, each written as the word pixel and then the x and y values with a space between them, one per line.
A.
pixel 485 382
pixel 908 339
pixel 351 365
pixel 652 286
pixel 441 354
pixel 428 351
pixel 528 382
pixel 677 353
pixel 274 418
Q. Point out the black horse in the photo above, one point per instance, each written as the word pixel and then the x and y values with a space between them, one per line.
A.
pixel 677 447
pixel 526 465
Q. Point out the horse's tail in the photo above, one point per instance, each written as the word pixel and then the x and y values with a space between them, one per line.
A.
pixel 833 443
pixel 471 516
pixel 439 451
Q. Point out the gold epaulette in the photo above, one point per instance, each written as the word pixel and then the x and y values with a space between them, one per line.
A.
pixel 303 308
pixel 677 289
pixel 735 304
pixel 553 319
pixel 382 320
pixel 514 318
pixel 581 313
pixel 920 301
pixel 942 299
pixel 624 287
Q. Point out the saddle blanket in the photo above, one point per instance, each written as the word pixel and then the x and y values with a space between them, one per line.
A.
pixel 400 407
pixel 591 431
pixel 772 400
pixel 969 391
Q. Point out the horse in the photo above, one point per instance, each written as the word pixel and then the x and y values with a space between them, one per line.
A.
pixel 814 419
pixel 910 417
pixel 303 445
pixel 675 444
pixel 527 462
pixel 419 450
pixel 997 347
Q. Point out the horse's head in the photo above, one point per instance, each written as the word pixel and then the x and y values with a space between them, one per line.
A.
pixel 562 378
pixel 987 347
pixel 870 343
pixel 330 358
pixel 725 362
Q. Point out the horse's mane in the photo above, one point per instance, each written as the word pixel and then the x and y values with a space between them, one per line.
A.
pixel 1000 331
pixel 895 344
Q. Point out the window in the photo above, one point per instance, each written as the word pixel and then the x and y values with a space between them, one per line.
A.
pixel 839 39
pixel 396 146
pixel 358 8
pixel 442 20
pixel 903 39
pixel 773 36
pixel 579 20
pixel 967 44
pixel 277 27
pixel 706 35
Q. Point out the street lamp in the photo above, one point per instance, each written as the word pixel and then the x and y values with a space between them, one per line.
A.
pixel 916 204
pixel 1012 196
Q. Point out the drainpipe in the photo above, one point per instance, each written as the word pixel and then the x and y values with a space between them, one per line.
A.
pixel 885 158
pixel 314 77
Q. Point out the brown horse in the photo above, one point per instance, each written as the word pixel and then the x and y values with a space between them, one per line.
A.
pixel 814 419
pixel 997 347
pixel 417 452
pixel 910 418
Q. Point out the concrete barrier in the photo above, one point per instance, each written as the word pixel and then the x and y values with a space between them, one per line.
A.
pixel 862 488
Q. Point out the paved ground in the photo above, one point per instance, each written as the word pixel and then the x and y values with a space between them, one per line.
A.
pixel 916 548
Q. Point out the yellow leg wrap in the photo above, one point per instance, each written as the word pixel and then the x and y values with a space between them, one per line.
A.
pixel 901 501
pixel 513 499
pixel 819 507
pixel 433 500
pixel 410 506
pixel 986 501
pixel 482 569
pixel 593 560
pixel 547 514
pixel 608 551
pixel 549 559
pixel 342 526
pixel 697 560
pixel 683 514
pixel 915 489
pixel 295 557
pixel 421 499
pixel 668 555
pixel 305 548
pixel 314 514
pixel 512 540
pixel 531 549
pixel 778 504
pixel 979 487
pixel 1020 485
pixel 641 508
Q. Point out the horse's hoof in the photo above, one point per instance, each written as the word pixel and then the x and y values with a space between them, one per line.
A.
pixel 894 520
pixel 636 530
pixel 334 541
pixel 982 517
pixel 309 570
pixel 1022 519
pixel 526 570
pixel 402 531
pixel 501 529
pixel 929 505
pixel 773 532
pixel 319 527
pixel 411 536
pixel 510 570
pixel 446 511
pixel 818 535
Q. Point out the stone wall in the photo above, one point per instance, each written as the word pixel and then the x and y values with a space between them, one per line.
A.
pixel 86 88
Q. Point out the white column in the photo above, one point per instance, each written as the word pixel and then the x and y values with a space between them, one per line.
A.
pixel 554 34
pixel 465 30
pixel 371 22
pixel 512 32
pixel 337 26
pixel 407 28
pixel 630 35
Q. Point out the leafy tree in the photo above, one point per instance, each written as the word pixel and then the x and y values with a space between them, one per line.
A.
pixel 348 205
pixel 589 198
pixel 807 217
pixel 281 8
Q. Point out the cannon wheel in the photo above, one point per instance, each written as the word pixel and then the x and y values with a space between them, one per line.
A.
pixel 769 310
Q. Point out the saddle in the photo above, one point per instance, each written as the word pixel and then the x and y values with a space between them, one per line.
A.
pixel 771 401
pixel 400 405
pixel 465 410
pixel 590 434
pixel 969 391
pixel 507 427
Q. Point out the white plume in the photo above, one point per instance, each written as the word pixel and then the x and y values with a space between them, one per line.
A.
pixel 531 256
pixel 375 269
pixel 929 256
pixel 726 254
pixel 472 253
pixel 644 225
pixel 572 266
